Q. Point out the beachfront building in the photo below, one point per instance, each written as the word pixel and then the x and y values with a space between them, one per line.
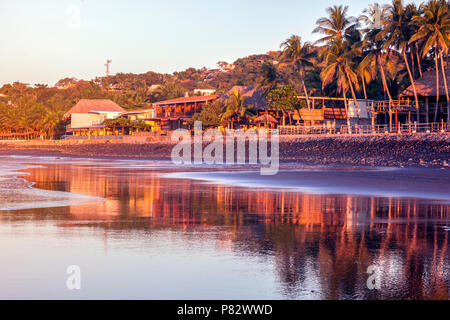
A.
pixel 147 116
pixel 140 114
pixel 88 115
pixel 331 112
pixel 431 108
pixel 177 113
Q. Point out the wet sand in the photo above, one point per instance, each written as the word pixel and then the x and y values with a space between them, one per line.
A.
pixel 432 184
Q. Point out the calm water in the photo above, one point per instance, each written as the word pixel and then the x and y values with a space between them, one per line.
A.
pixel 155 237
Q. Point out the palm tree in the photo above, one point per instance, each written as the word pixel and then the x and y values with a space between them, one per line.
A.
pixel 338 61
pixel 236 108
pixel 336 27
pixel 375 55
pixel 269 78
pixel 398 32
pixel 340 50
pixel 434 28
pixel 367 75
pixel 299 56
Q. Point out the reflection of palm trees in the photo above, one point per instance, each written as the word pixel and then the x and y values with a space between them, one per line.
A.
pixel 326 240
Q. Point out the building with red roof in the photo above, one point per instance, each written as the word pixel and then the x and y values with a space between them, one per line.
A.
pixel 89 114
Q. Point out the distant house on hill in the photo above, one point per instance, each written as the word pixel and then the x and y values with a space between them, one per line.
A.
pixel 155 87
pixel 89 114
pixel 227 67
pixel 204 92
pixel 115 88
pixel 76 84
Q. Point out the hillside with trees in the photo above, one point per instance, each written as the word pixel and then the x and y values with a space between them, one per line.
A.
pixel 376 55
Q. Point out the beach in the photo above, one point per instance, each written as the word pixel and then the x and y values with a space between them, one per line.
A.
pixel 420 150
pixel 143 228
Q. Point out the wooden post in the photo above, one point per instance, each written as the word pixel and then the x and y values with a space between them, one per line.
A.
pixel 448 111
pixel 418 114
pixel 390 116
pixel 427 110
pixel 409 121
pixel 396 120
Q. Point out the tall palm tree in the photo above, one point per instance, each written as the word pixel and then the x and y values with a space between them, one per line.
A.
pixel 336 27
pixel 398 32
pixel 434 28
pixel 373 43
pixel 269 78
pixel 340 40
pixel 298 55
pixel 236 108
pixel 339 61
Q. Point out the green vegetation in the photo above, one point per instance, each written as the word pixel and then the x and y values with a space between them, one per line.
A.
pixel 376 55
pixel 236 110
pixel 210 115
pixel 284 98
pixel 123 123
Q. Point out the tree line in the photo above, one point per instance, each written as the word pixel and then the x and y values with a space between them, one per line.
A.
pixel 377 55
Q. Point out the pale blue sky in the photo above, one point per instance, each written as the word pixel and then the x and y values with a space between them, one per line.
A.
pixel 43 41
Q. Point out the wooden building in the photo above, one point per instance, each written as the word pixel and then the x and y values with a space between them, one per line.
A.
pixel 431 109
pixel 177 113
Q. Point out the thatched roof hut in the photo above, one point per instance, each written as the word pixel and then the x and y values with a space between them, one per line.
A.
pixel 426 85
pixel 266 118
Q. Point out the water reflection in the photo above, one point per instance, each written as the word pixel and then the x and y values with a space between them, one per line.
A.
pixel 320 245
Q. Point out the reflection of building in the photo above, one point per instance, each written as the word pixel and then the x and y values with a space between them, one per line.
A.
pixel 327 241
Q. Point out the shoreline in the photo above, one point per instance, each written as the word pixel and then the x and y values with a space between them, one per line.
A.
pixel 420 151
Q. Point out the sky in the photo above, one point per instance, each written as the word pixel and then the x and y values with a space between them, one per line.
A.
pixel 47 40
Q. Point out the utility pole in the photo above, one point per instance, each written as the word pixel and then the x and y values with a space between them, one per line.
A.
pixel 108 62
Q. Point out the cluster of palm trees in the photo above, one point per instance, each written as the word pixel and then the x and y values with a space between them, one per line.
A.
pixel 34 119
pixel 355 51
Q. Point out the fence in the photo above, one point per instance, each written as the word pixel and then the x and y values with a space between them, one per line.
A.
pixel 94 137
pixel 19 135
pixel 412 128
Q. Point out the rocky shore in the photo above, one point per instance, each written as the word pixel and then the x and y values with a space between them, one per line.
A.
pixel 426 150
